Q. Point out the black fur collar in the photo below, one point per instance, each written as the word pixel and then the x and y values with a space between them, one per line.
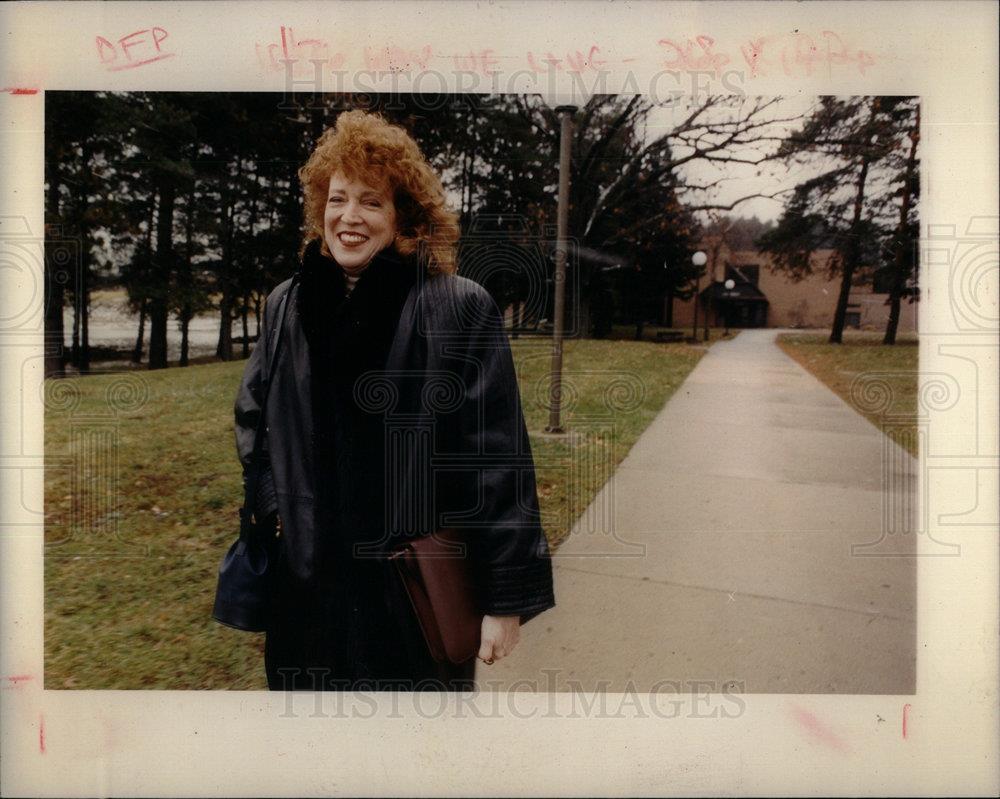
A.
pixel 381 287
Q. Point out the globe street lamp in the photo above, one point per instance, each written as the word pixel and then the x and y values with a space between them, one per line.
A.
pixel 699 259
pixel 728 294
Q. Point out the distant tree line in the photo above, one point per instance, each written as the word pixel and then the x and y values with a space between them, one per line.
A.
pixel 190 202
pixel 187 201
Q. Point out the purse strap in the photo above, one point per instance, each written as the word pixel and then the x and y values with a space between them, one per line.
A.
pixel 253 475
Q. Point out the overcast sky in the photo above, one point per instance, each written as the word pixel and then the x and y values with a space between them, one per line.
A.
pixel 742 180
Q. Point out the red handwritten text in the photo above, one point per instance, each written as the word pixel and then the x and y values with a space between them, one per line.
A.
pixel 695 54
pixel 272 56
pixel 483 62
pixel 799 54
pixel 572 61
pixel 397 59
pixel 146 44
pixel 792 54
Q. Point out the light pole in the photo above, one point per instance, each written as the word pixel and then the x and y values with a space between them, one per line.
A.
pixel 668 305
pixel 730 285
pixel 699 259
pixel 565 113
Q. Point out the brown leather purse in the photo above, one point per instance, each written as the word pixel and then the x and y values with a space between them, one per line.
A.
pixel 436 571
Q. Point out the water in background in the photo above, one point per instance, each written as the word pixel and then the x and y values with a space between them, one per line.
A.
pixel 112 325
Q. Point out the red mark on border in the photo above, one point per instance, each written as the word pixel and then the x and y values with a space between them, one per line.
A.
pixel 299 52
pixel 483 62
pixel 149 49
pixel 41 733
pixel 695 54
pixel 394 58
pixel 135 64
pixel 798 54
pixel 819 730
pixel 18 90
pixel 569 61
pixel 906 718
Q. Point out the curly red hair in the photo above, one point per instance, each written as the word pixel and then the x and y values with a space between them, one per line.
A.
pixel 365 147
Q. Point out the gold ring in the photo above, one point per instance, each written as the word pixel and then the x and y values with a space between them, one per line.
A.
pixel 488 662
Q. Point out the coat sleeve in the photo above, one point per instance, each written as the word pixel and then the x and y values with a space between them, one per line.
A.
pixel 247 415
pixel 508 544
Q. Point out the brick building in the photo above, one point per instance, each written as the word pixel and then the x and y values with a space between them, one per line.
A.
pixel 764 297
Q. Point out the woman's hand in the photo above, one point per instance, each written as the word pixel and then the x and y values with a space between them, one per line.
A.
pixel 500 635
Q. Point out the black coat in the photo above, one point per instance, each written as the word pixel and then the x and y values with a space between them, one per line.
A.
pixel 415 366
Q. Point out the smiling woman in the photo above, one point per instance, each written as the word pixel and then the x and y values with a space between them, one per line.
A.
pixel 386 359
pixel 362 149
pixel 360 221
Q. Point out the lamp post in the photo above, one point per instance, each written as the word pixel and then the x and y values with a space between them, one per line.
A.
pixel 565 113
pixel 730 285
pixel 699 259
pixel 667 314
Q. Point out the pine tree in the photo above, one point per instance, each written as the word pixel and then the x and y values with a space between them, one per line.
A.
pixel 849 141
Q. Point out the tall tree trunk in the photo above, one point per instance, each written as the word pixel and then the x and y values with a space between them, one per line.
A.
pixel 852 256
pixel 224 349
pixel 185 319
pixel 245 314
pixel 317 122
pixel 185 322
pixel 471 184
pixel 83 356
pixel 254 278
pixel 147 268
pixel 54 282
pixel 141 335
pixel 902 237
pixel 74 356
pixel 185 278
pixel 465 210
pixel 159 300
pixel 84 360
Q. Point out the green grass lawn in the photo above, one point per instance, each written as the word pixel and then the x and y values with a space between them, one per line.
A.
pixel 627 332
pixel 131 562
pixel 884 379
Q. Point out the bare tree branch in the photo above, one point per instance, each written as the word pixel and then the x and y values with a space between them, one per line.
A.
pixel 734 203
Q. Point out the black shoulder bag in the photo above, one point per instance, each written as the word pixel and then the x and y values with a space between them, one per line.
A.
pixel 243 594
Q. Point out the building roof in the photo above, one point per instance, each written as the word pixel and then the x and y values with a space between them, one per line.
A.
pixel 746 292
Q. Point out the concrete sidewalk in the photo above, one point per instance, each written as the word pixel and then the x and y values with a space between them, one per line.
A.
pixel 727 555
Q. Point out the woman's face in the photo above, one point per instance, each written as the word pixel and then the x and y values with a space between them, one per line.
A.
pixel 360 221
